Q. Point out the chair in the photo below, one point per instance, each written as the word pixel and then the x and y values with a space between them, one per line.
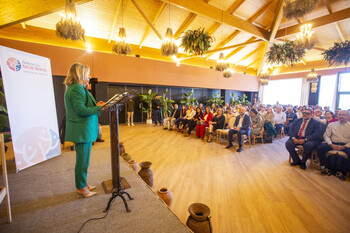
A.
pixel 281 133
pixel 261 136
pixel 224 132
pixel 300 151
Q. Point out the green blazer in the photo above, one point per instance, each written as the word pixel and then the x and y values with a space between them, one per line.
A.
pixel 81 114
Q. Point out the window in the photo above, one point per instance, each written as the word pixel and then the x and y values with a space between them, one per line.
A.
pixel 327 92
pixel 284 91
pixel 344 91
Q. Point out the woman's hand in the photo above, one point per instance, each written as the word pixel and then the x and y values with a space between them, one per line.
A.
pixel 101 103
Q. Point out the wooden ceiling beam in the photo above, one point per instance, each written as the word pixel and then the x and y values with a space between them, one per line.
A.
pixel 318 22
pixel 17 11
pixel 253 62
pixel 213 28
pixel 185 24
pixel 235 51
pixel 147 19
pixel 258 49
pixel 202 8
pixel 250 20
pixel 275 25
pixel 234 6
pixel 329 8
pixel 148 29
pixel 112 30
pixel 235 46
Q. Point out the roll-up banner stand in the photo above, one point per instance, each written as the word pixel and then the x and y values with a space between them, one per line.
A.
pixel 31 106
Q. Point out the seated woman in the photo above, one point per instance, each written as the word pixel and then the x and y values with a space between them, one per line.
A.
pixel 215 111
pixel 256 123
pixel 270 122
pixel 189 116
pixel 330 117
pixel 216 123
pixel 182 115
pixel 262 112
pixel 200 127
pixel 198 117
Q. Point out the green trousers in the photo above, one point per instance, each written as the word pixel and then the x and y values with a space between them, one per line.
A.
pixel 83 151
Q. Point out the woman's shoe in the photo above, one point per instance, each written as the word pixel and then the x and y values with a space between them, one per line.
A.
pixel 90 188
pixel 84 192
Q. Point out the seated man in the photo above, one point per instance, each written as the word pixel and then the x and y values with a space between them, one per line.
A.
pixel 305 131
pixel 169 121
pixel 337 137
pixel 280 118
pixel 290 118
pixel 241 127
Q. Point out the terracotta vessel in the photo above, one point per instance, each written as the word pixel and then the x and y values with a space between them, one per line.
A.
pixel 121 148
pixel 166 195
pixel 199 220
pixel 126 157
pixel 146 173
pixel 134 165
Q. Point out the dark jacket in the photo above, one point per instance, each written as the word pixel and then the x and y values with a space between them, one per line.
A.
pixel 175 113
pixel 245 124
pixel 291 117
pixel 155 104
pixel 220 121
pixel 197 116
pixel 312 131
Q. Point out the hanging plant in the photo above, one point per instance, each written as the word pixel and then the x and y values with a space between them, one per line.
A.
pixel 196 42
pixel 169 46
pixel 338 54
pixel 294 9
pixel 284 53
pixel 69 26
pixel 120 46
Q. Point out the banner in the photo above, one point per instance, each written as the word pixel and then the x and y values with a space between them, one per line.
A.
pixel 31 106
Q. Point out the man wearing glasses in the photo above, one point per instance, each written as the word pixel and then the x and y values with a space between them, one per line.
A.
pixel 305 131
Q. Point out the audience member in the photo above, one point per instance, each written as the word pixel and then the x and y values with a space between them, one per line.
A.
pixel 189 116
pixel 256 122
pixel 200 127
pixel 270 122
pixel 241 127
pixel 330 117
pixel 280 118
pixel 130 104
pixel 197 117
pixel 216 123
pixel 169 121
pixel 290 118
pixel 305 132
pixel 182 115
pixel 337 137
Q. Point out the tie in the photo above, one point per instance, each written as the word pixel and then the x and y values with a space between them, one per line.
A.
pixel 302 128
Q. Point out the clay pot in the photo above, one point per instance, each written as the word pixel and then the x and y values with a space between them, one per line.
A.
pixel 134 165
pixel 126 157
pixel 121 148
pixel 199 220
pixel 166 195
pixel 146 173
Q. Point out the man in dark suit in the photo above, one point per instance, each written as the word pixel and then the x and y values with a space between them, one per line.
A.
pixel 305 131
pixel 290 118
pixel 169 121
pixel 157 110
pixel 241 127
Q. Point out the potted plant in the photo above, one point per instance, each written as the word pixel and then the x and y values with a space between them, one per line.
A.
pixel 234 100
pixel 244 100
pixel 338 54
pixel 196 42
pixel 147 98
pixel 167 104
pixel 187 100
pixel 216 99
pixel 284 53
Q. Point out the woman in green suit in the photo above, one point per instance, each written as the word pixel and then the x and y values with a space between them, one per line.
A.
pixel 82 122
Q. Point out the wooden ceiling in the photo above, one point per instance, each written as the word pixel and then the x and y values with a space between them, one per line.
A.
pixel 243 29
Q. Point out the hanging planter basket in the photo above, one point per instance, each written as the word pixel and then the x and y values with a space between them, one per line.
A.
pixel 338 54
pixel 284 53
pixel 169 47
pixel 227 73
pixel 69 26
pixel 196 42
pixel 120 46
pixel 294 9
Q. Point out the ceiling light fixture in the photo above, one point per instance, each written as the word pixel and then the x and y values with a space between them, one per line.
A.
pixel 121 45
pixel 305 38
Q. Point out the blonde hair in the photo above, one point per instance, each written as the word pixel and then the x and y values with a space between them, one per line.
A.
pixel 77 73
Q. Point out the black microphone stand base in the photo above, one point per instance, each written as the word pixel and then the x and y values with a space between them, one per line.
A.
pixel 120 194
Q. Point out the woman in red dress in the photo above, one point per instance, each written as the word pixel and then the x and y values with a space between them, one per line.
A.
pixel 200 128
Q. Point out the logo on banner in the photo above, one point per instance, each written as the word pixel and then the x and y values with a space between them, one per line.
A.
pixel 13 64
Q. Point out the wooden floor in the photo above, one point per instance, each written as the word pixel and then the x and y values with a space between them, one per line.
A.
pixel 252 191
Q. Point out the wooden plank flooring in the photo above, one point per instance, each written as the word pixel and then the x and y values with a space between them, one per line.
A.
pixel 252 191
